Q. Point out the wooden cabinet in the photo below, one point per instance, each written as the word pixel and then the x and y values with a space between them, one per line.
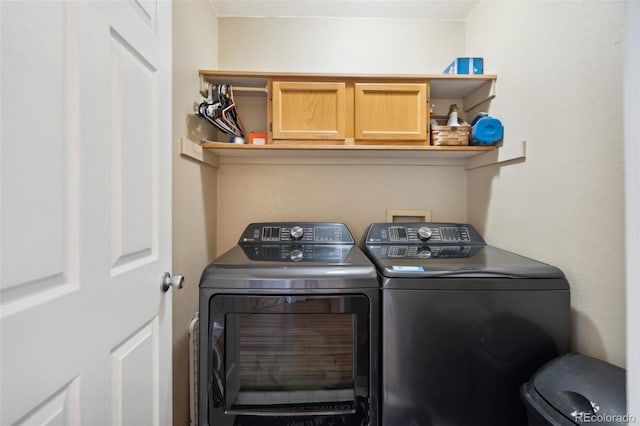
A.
pixel 391 112
pixel 363 113
pixel 349 112
pixel 309 111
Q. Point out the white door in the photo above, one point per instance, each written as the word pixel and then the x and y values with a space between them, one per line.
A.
pixel 85 223
pixel 632 189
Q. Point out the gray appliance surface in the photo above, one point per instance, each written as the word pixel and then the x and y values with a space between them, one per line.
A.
pixel 324 255
pixel 464 324
pixel 463 253
pixel 302 261
pixel 577 389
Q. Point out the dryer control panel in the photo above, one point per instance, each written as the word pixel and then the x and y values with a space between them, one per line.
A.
pixel 296 232
pixel 422 232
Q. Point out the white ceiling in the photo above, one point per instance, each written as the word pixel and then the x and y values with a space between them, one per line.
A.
pixel 393 9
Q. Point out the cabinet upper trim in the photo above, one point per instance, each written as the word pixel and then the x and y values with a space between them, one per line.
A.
pixel 441 85
pixel 383 77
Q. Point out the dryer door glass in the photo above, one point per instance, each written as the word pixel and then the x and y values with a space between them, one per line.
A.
pixel 292 354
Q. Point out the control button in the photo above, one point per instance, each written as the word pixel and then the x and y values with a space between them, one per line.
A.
pixel 296 255
pixel 424 233
pixel 296 232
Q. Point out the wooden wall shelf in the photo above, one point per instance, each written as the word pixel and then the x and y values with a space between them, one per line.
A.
pixel 470 157
pixel 223 148
pixel 472 92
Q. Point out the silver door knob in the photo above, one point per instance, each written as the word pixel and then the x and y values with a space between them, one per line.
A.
pixel 168 281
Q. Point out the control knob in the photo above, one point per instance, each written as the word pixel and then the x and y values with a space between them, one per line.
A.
pixel 424 233
pixel 296 232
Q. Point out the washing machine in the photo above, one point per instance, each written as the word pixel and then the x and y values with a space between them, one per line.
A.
pixel 464 324
pixel 289 330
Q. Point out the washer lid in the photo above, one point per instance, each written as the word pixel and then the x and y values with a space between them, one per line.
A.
pixel 455 261
pixel 447 250
pixel 585 390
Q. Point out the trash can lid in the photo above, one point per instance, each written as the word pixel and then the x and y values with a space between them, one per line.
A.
pixel 584 389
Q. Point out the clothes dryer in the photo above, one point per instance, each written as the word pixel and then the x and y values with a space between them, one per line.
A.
pixel 289 330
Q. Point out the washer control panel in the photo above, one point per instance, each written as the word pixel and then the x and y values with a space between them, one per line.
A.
pixel 415 251
pixel 297 232
pixel 422 232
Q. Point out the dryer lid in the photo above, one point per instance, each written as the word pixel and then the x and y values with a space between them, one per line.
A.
pixel 348 268
pixel 290 255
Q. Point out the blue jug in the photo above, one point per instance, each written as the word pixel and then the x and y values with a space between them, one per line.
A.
pixel 485 130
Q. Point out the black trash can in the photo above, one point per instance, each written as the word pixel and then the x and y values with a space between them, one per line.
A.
pixel 576 389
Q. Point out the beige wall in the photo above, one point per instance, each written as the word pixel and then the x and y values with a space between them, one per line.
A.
pixel 354 194
pixel 339 45
pixel 195 46
pixel 559 88
pixel 559 67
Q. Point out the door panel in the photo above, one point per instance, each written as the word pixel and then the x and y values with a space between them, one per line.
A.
pixel 133 115
pixel 60 409
pixel 309 110
pixel 147 10
pixel 36 155
pixel 38 210
pixel 391 112
pixel 134 378
pixel 85 212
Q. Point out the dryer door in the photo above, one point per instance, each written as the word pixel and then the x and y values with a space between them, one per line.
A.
pixel 289 355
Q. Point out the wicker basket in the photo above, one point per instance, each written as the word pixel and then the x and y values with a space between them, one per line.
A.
pixel 450 135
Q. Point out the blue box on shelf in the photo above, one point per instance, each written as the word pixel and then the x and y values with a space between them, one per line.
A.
pixel 465 66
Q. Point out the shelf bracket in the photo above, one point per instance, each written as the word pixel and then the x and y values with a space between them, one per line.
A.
pixel 195 151
pixel 204 86
pixel 483 94
pixel 504 154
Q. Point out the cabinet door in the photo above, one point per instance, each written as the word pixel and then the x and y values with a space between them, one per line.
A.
pixel 391 111
pixel 309 110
